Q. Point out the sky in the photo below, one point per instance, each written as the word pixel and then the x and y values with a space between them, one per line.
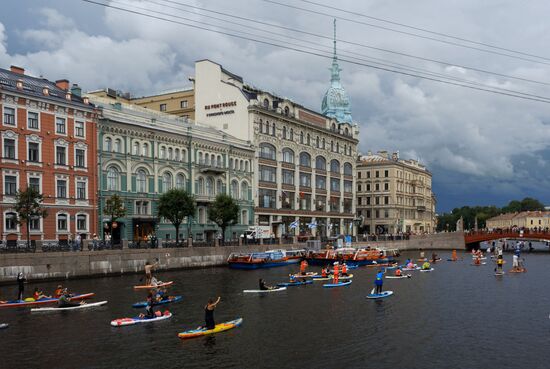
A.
pixel 482 148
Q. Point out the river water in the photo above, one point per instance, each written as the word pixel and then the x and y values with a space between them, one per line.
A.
pixel 458 316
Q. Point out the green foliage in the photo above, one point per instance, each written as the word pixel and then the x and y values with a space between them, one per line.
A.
pixel 447 221
pixel 224 211
pixel 175 205
pixel 28 205
pixel 114 207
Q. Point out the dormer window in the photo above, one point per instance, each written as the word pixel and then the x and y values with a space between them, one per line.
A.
pixel 287 111
pixel 266 103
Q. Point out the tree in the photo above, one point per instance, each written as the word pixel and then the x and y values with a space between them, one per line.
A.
pixel 175 205
pixel 114 208
pixel 28 205
pixel 224 211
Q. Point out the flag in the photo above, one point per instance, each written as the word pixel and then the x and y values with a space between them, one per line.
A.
pixel 293 225
pixel 312 225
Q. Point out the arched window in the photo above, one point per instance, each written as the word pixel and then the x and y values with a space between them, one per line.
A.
pixel 284 133
pixel 141 181
pixel 320 163
pixel 200 190
pixel 219 186
pixel 209 186
pixel 337 147
pixel 346 131
pixel 241 165
pixel 62 223
pixel 118 145
pixel 335 166
pixel 246 166
pixel 202 216
pixel 170 153
pixel 206 159
pixel 348 169
pixel 266 103
pixel 323 143
pixel 291 135
pixel 145 150
pixel 266 127
pixel 112 179
pixel 317 142
pixel 135 148
pixel 301 137
pixel 162 152
pixel 244 217
pixel 288 155
pixel 220 162
pixel 273 129
pixel 231 163
pixel 305 159
pixel 166 181
pixel 177 154
pixel 308 141
pixel 201 162
pixel 10 221
pixel 333 127
pixel 180 181
pixel 267 151
pixel 244 191
pixel 108 144
pixel 287 111
pixel 234 189
pixel 261 126
pixel 331 145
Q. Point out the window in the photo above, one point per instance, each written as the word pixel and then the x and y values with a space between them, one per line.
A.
pixel 287 200
pixel 234 189
pixel 305 180
pixel 320 203
pixel 267 198
pixel 305 201
pixel 287 111
pixel 34 224
pixel 368 200
pixel 61 189
pixel 348 169
pixel 9 116
pixel 34 152
pixel 377 174
pixel 334 204
pixel 108 144
pixel 348 205
pixel 377 187
pixel 284 133
pixel 267 151
pixel 320 163
pixel 10 185
pixel 34 183
pixel 386 200
pixel 145 150
pixel 220 187
pixel 268 174
pixel 60 125
pixel 273 129
pixel 288 156
pixel 335 184
pixel 386 173
pixel 291 135
pixel 377 200
pixel 112 179
pixel 61 155
pixel 386 214
pixel 61 222
pixel 80 158
pixel 163 152
pixel 321 182
pixel 9 148
pixel 180 181
pixel 305 159
pixel 317 143
pixel 288 177
pixel 301 137
pixel 368 187
pixel 308 141
pixel 32 120
pixel 11 221
pixel 142 208
pixel 141 181
pixel 359 175
pixel 209 186
pixel 171 154
pixel 81 222
pixel 118 145
pixel 348 186
pixel 266 103
pixel 377 214
pixel 200 185
pixel 135 148
pixel 368 174
pixel 386 186
pixel 162 107
pixel 335 166
pixel 177 154
pixel 183 104
pixel 80 190
pixel 166 181
pixel 359 187
pixel 79 128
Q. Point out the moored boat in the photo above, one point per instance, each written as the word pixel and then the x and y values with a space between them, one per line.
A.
pixel 47 300
pixel 268 259
pixel 351 256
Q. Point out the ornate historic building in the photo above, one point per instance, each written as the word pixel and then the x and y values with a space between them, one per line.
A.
pixel 49 138
pixel 143 153
pixel 394 195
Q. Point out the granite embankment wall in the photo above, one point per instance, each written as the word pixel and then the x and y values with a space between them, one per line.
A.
pixel 65 265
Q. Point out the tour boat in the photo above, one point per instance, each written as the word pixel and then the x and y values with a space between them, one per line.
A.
pixel 351 256
pixel 267 259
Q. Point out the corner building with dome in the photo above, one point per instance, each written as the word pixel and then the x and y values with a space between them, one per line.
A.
pixel 304 167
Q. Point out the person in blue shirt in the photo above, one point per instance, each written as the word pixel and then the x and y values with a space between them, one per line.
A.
pixel 379 281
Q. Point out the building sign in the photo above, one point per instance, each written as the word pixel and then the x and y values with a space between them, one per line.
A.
pixel 312 118
pixel 220 106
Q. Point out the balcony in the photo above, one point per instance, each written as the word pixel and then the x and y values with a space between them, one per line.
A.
pixel 421 208
pixel 205 198
pixel 210 168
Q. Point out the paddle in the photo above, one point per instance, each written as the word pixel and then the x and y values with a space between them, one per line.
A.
pixel 372 292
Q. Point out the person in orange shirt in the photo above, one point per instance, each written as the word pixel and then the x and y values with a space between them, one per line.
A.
pixel 336 273
pixel 58 292
pixel 344 270
pixel 303 267
pixel 324 272
pixel 454 257
pixel 398 272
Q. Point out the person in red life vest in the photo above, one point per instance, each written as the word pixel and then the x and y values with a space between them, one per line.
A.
pixel 344 270
pixel 303 267
pixel 324 272
pixel 336 273
pixel 398 272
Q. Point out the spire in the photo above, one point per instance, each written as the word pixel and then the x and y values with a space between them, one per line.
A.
pixel 334 38
pixel 335 69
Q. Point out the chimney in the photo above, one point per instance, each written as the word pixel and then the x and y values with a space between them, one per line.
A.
pixel 62 84
pixel 16 69
pixel 76 90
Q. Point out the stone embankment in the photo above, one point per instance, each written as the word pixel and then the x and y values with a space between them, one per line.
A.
pixel 67 265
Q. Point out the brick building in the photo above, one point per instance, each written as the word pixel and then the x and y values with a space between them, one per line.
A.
pixel 48 140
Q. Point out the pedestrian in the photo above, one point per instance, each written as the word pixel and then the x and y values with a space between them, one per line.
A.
pixel 21 284
pixel 95 241
pixel 78 242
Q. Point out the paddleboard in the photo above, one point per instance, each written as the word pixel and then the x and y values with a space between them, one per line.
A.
pixel 499 274
pixel 479 264
pixel 427 270
pixel 265 291
pixel 482 258
pixel 4 325
pixel 349 276
pixel 410 269
pixel 204 332
pixel 149 287
pixel 137 320
pixel 340 284
pixel 380 295
pixel 517 271
pixel 169 300
pixel 288 284
pixel 398 277
pixel 79 307
pixel 452 260
pixel 22 303
pixel 307 275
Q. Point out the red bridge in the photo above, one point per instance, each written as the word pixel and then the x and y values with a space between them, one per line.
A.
pixel 475 237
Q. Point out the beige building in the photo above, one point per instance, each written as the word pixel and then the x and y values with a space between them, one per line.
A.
pixel 178 102
pixel 394 195
pixel 524 219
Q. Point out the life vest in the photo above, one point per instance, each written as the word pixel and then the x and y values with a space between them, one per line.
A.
pixel 398 272
pixel 336 270
pixel 344 269
pixel 324 273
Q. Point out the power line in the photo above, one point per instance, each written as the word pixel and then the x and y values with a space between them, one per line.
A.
pixel 538 99
pixel 422 29
pixel 356 43
pixel 405 33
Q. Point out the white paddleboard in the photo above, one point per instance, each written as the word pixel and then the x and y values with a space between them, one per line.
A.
pixel 398 277
pixel 137 320
pixel 427 270
pixel 380 295
pixel 79 307
pixel 278 289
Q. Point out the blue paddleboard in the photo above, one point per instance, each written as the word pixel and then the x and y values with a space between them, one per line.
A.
pixel 380 295
pixel 340 284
